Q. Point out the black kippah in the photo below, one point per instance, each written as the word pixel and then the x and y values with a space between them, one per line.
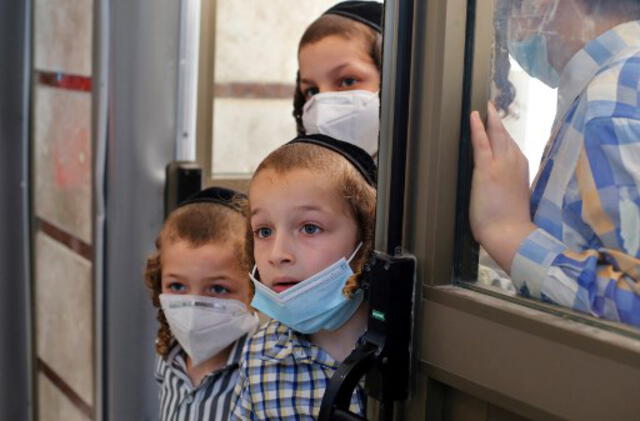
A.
pixel 217 195
pixel 367 12
pixel 357 156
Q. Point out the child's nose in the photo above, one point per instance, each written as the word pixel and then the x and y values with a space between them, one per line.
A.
pixel 281 251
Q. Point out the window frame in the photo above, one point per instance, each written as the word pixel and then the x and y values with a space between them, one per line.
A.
pixel 514 356
pixel 205 109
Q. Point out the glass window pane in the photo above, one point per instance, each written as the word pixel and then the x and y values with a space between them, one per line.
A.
pixel 255 69
pixel 566 85
pixel 530 117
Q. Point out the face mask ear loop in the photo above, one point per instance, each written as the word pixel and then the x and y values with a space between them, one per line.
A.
pixel 588 23
pixel 358 247
pixel 548 17
pixel 253 272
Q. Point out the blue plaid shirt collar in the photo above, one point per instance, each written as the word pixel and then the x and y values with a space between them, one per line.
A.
pixel 594 56
pixel 290 348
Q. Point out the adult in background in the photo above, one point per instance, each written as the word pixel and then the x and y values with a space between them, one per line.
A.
pixel 574 239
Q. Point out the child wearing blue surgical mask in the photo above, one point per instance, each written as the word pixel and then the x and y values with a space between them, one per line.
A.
pixel 311 207
pixel 198 280
pixel 339 59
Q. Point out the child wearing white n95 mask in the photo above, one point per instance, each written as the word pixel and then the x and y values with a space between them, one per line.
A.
pixel 311 206
pixel 339 59
pixel 198 280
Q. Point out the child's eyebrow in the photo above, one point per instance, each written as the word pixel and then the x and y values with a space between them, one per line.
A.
pixel 311 208
pixel 338 68
pixel 172 275
pixel 308 208
pixel 306 81
pixel 331 72
pixel 220 277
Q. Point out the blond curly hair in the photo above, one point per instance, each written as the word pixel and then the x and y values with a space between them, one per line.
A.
pixel 360 195
pixel 198 224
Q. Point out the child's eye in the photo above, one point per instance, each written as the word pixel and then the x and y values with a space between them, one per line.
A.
pixel 310 229
pixel 309 92
pixel 348 82
pixel 218 289
pixel 262 232
pixel 176 287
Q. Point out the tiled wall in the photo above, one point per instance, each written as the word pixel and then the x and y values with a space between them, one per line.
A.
pixel 61 161
pixel 255 67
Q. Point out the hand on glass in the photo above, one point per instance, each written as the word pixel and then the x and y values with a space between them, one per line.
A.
pixel 499 210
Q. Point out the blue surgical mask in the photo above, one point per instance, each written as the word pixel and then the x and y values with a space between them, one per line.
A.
pixel 531 55
pixel 315 304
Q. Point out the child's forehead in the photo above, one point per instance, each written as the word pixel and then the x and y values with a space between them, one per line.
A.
pixel 311 178
pixel 186 246
pixel 300 187
pixel 204 237
pixel 215 257
pixel 348 47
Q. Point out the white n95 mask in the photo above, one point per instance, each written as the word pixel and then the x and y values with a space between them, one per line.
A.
pixel 350 116
pixel 204 325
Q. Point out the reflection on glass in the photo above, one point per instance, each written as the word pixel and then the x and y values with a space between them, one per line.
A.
pixel 567 85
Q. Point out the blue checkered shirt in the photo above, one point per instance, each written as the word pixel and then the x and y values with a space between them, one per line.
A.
pixel 283 376
pixel 585 201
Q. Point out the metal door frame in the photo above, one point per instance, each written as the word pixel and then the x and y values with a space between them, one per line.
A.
pixel 135 108
pixel 16 357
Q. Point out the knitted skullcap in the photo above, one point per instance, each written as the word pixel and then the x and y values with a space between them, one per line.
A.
pixel 357 156
pixel 217 195
pixel 367 12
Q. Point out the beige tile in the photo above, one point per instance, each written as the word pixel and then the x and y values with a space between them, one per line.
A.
pixel 64 314
pixel 62 152
pixel 53 405
pixel 246 130
pixel 258 42
pixel 63 36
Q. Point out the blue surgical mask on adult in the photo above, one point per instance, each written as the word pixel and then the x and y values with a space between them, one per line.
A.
pixel 315 304
pixel 532 55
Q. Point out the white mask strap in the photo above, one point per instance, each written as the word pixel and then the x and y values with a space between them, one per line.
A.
pixel 354 252
pixel 549 16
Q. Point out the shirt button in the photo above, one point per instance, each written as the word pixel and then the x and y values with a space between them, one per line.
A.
pixel 189 399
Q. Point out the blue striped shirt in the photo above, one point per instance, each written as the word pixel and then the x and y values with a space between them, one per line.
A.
pixel 585 200
pixel 181 401
pixel 283 376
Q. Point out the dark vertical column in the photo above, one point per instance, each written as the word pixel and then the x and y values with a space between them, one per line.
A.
pixel 143 46
pixel 14 280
